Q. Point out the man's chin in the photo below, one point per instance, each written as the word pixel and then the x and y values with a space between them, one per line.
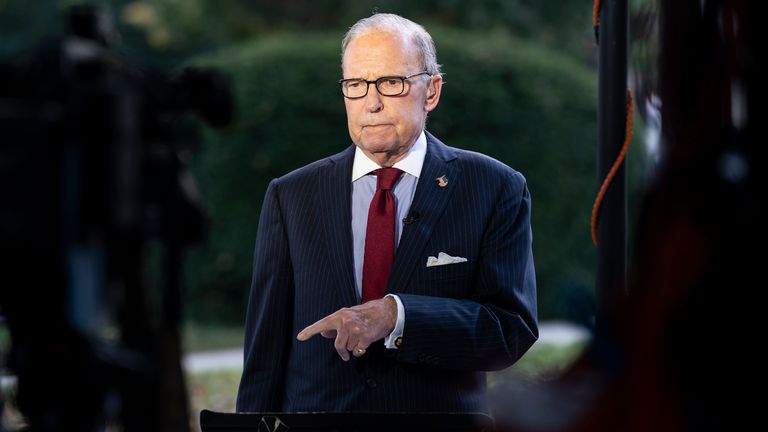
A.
pixel 380 148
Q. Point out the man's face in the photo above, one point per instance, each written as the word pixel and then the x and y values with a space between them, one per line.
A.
pixel 385 127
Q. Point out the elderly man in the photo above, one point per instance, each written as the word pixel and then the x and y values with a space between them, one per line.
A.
pixel 388 277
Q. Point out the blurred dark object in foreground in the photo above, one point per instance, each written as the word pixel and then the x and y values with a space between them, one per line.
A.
pixel 91 172
pixel 678 353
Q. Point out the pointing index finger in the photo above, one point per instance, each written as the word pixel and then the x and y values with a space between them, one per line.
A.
pixel 317 327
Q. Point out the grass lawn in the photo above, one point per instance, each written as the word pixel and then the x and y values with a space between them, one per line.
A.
pixel 217 390
pixel 199 337
pixel 214 391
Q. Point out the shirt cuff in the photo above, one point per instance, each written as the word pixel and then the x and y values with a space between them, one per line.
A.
pixel 391 341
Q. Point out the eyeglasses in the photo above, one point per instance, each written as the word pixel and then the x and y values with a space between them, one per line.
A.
pixel 356 88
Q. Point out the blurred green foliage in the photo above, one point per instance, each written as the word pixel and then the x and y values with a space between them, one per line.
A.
pixel 528 106
pixel 210 337
pixel 520 86
pixel 162 31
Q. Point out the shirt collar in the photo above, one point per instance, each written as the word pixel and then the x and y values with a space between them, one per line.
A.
pixel 411 163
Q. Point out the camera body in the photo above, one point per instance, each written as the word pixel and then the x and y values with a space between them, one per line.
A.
pixel 93 169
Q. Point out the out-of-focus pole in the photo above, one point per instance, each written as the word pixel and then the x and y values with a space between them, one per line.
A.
pixel 611 120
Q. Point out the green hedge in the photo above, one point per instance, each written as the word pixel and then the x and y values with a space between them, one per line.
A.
pixel 528 106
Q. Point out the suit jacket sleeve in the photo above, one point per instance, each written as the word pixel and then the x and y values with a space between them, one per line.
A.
pixel 494 328
pixel 267 328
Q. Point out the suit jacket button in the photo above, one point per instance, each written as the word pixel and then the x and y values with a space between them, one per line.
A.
pixel 371 383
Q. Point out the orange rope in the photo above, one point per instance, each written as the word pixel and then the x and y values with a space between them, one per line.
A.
pixel 596 18
pixel 596 14
pixel 612 173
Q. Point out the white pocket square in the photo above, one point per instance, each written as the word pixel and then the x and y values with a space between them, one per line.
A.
pixel 443 259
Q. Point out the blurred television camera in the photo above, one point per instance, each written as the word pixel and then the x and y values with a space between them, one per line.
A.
pixel 94 191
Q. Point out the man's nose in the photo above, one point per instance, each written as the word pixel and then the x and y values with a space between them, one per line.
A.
pixel 373 99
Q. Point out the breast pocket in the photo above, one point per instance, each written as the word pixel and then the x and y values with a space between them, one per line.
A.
pixel 447 271
pixel 448 280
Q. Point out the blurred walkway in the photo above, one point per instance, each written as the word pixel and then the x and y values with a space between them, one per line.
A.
pixel 208 361
pixel 550 332
pixel 561 333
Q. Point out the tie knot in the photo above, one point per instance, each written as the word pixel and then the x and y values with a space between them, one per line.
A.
pixel 386 177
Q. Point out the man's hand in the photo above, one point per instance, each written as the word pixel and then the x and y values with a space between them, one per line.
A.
pixel 356 328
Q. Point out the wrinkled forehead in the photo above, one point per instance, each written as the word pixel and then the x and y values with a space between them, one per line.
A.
pixel 380 46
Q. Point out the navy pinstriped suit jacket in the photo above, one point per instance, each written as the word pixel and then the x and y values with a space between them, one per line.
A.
pixel 460 319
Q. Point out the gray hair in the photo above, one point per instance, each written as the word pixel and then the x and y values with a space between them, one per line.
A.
pixel 397 25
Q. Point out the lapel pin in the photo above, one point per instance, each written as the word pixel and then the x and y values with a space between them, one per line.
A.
pixel 442 181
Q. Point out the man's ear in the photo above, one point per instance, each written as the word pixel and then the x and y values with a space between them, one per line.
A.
pixel 433 92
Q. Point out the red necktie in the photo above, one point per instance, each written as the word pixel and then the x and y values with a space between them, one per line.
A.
pixel 380 236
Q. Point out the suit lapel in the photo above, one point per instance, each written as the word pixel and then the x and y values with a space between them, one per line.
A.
pixel 429 201
pixel 334 201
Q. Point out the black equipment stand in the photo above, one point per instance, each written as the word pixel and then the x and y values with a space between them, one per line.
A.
pixel 211 421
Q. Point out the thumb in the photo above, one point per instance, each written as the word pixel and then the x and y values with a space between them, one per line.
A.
pixel 328 334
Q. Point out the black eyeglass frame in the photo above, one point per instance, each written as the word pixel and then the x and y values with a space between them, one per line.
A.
pixel 376 84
